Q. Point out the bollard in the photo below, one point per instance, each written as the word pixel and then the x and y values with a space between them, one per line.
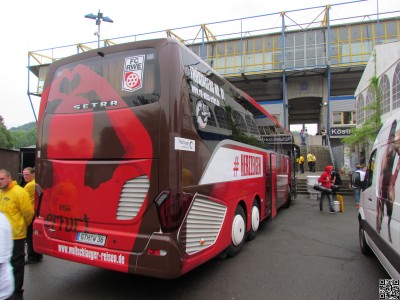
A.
pixel 341 200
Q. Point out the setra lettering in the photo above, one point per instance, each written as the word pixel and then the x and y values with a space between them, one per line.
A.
pixel 96 104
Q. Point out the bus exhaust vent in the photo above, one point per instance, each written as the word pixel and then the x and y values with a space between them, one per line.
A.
pixel 133 194
pixel 202 225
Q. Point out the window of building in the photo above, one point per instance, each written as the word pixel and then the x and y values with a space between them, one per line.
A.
pixel 368 101
pixel 221 49
pixel 360 111
pixel 384 86
pixel 396 87
pixel 344 118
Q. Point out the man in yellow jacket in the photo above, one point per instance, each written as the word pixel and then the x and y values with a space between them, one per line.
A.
pixel 30 186
pixel 314 161
pixel 310 161
pixel 17 206
pixel 301 163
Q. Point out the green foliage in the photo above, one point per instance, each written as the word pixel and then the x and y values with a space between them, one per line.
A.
pixel 25 127
pixel 17 137
pixel 6 141
pixel 24 135
pixel 24 138
pixel 362 135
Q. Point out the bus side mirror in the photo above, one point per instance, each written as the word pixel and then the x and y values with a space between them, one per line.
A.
pixel 355 180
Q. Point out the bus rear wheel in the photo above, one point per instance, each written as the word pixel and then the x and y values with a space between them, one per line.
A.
pixel 289 198
pixel 255 221
pixel 238 232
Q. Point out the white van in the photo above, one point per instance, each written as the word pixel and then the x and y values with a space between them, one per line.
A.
pixel 379 213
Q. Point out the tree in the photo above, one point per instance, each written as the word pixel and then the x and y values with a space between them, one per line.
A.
pixel 24 135
pixel 6 141
pixel 369 129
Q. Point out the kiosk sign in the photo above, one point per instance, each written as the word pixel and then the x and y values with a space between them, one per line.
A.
pixel 340 131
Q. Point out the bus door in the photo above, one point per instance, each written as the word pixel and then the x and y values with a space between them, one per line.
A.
pixel 272 184
pixel 282 179
pixel 267 168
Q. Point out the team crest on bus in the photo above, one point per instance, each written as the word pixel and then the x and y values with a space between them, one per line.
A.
pixel 133 73
pixel 202 114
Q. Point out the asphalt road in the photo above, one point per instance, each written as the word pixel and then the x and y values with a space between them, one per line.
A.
pixel 301 254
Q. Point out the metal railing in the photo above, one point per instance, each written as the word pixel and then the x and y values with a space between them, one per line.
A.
pixel 331 153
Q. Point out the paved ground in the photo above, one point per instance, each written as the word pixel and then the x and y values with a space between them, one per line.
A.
pixel 301 254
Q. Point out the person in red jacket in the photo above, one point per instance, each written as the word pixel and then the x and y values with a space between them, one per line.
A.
pixel 325 180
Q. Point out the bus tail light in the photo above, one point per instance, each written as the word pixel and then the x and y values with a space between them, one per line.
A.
pixel 172 208
pixel 156 252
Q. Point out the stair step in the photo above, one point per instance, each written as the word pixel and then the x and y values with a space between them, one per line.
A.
pixel 302 188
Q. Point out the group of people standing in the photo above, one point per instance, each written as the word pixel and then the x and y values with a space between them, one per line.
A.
pixel 330 177
pixel 311 161
pixel 327 180
pixel 16 217
pixel 303 136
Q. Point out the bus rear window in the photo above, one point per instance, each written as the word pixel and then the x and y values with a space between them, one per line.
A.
pixel 112 81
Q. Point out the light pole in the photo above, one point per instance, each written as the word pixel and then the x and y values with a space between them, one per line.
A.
pixel 98 19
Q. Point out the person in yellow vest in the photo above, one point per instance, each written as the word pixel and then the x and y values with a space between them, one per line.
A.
pixel 18 208
pixel 30 186
pixel 314 161
pixel 300 161
pixel 309 161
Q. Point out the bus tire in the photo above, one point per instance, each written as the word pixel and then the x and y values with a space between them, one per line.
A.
pixel 365 249
pixel 289 199
pixel 238 232
pixel 255 220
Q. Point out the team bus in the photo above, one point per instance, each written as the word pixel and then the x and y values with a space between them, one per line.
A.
pixel 151 163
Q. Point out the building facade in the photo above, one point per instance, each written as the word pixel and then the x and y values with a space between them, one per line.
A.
pixel 384 64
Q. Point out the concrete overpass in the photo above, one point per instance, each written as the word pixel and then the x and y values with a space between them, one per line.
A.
pixel 303 73
pixel 293 69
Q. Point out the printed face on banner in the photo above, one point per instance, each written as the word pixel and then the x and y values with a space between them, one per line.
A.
pixel 133 73
pixel 202 114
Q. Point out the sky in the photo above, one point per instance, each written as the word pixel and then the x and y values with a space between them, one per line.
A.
pixel 44 24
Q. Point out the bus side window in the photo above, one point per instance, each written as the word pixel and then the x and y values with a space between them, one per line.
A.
pixel 369 176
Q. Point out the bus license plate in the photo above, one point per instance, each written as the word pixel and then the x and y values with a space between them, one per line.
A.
pixel 90 238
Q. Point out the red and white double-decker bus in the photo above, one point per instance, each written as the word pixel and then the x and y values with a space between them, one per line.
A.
pixel 150 162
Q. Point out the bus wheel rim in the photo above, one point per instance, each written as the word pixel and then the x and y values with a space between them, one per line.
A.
pixel 238 230
pixel 255 218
